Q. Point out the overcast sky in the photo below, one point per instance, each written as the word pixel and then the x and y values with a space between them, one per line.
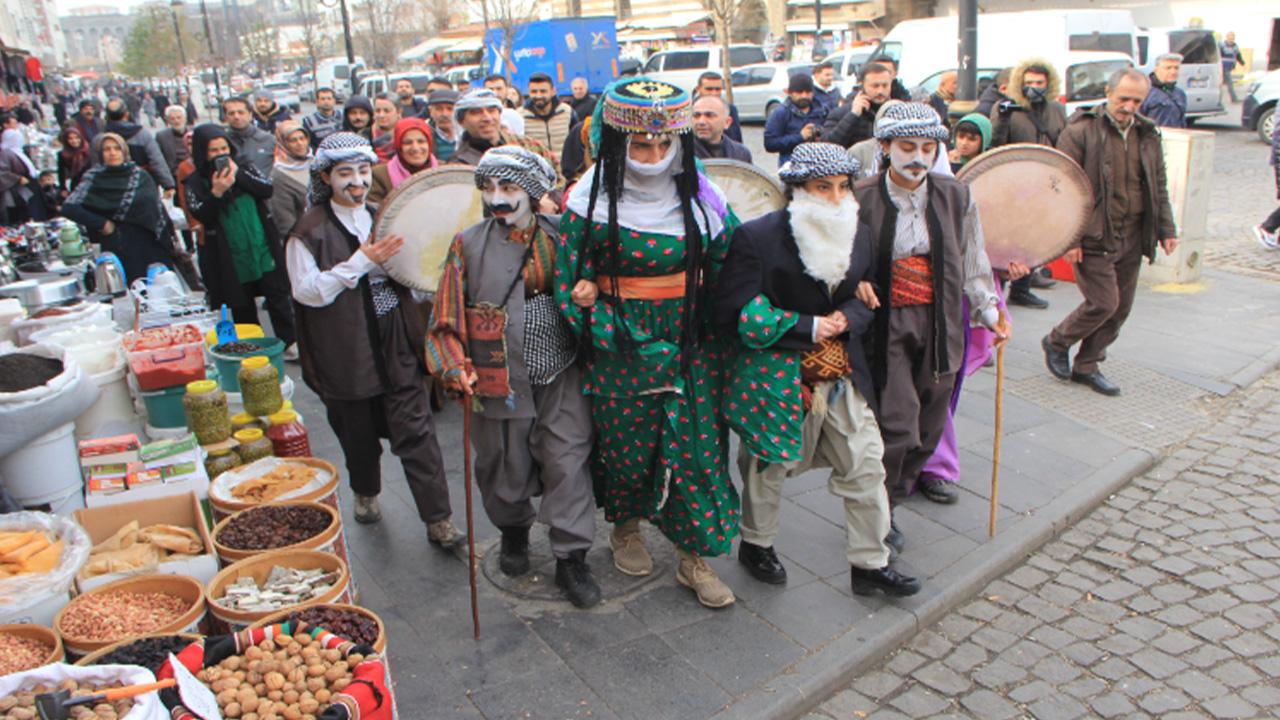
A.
pixel 123 5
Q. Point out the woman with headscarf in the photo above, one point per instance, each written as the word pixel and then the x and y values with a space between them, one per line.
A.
pixel 73 160
pixel 119 204
pixel 414 153
pixel 242 258
pixel 15 142
pixel 291 174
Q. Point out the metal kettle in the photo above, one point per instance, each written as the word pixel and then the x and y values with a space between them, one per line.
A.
pixel 108 276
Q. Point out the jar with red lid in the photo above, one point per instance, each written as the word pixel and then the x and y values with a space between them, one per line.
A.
pixel 288 437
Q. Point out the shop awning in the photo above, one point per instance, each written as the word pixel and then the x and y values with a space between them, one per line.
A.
pixel 645 35
pixel 468 45
pixel 420 51
pixel 670 20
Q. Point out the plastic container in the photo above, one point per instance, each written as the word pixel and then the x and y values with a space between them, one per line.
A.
pixel 48 637
pixel 166 356
pixel 253 446
pixel 245 421
pixel 228 364
pixel 324 541
pixel 235 400
pixel 260 386
pixel 220 461
pixel 114 405
pixel 244 332
pixel 164 407
pixel 259 567
pixel 205 411
pixel 288 437
pixel 180 586
pixel 45 470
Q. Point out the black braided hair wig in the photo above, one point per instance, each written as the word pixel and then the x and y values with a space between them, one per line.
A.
pixel 610 171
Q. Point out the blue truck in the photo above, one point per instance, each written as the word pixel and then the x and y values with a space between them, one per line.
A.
pixel 564 48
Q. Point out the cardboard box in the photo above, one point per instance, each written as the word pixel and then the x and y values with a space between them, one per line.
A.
pixel 182 510
pixel 197 483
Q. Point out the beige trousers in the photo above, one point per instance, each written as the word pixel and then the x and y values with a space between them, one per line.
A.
pixel 843 436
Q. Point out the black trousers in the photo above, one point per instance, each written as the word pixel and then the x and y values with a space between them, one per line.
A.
pixel 1272 223
pixel 274 286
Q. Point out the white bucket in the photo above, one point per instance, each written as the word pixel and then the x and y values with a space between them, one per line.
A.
pixel 47 469
pixel 72 502
pixel 114 406
pixel 155 433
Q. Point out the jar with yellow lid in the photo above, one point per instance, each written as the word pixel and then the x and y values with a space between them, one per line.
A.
pixel 259 386
pixel 245 421
pixel 288 436
pixel 254 445
pixel 205 405
pixel 220 461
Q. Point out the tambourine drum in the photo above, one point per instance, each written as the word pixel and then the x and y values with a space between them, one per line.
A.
pixel 1034 202
pixel 427 210
pixel 751 191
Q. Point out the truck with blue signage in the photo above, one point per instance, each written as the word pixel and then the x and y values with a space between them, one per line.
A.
pixel 564 48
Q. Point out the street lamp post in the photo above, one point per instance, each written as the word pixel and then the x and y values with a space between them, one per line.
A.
pixel 177 30
pixel 208 36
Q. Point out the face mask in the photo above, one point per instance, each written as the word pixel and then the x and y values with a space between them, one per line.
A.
pixel 350 182
pixel 512 208
pixel 1034 95
pixel 913 165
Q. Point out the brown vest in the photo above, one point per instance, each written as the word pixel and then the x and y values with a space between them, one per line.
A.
pixel 948 202
pixel 340 345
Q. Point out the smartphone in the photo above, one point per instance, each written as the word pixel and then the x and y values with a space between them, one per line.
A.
pixel 220 163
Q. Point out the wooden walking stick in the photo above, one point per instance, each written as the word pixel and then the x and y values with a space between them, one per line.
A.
pixel 995 446
pixel 466 472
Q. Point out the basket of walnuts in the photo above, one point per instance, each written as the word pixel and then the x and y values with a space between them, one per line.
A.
pixel 290 671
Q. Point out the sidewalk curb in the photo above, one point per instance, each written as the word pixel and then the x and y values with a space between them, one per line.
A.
pixel 1251 373
pixel 809 681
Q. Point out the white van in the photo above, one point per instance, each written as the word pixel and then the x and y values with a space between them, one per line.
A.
pixel 1201 74
pixel 924 47
pixel 683 67
pixel 335 73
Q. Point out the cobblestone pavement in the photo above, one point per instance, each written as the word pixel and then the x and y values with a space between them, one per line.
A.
pixel 1243 194
pixel 1163 603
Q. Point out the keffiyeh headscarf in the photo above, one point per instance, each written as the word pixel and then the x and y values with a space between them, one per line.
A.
pixel 475 99
pixel 518 165
pixel 340 147
pixel 911 120
pixel 817 160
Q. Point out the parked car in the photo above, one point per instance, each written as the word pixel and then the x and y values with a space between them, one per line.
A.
pixel 465 73
pixel 286 95
pixel 682 67
pixel 1259 109
pixel 847 64
pixel 1201 74
pixel 759 89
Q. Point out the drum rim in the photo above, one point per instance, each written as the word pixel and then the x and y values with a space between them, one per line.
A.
pixel 461 171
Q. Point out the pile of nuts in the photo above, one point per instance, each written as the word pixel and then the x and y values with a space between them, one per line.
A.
pixel 346 624
pixel 285 586
pixel 116 615
pixel 274 526
pixel 21 705
pixel 150 653
pixel 281 678
pixel 19 653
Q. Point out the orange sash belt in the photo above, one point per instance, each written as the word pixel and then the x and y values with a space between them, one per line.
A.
pixel 912 282
pixel 660 287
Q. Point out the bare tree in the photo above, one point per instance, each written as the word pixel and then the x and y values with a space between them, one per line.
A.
pixel 309 20
pixel 512 18
pixel 723 13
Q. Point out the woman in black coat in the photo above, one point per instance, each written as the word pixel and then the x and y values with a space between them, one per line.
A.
pixel 242 257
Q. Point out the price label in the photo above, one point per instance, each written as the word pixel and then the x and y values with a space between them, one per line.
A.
pixel 195 696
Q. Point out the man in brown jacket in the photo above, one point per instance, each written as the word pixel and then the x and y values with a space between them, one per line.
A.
pixel 1120 151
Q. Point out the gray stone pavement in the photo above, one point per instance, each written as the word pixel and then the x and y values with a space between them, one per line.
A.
pixel 650 651
pixel 1162 603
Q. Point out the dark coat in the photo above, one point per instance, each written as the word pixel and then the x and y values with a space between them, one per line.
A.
pixel 732 150
pixel 782 131
pixel 270 120
pixel 1087 141
pixel 217 267
pixel 1013 121
pixel 989 99
pixel 764 260
pixel 1166 106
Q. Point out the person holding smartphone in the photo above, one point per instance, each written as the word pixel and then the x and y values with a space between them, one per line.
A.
pixel 242 258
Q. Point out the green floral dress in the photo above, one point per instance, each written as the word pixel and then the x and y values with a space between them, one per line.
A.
pixel 662 446
pixel 765 400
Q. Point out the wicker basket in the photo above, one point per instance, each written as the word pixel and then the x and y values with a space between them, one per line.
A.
pixel 180 586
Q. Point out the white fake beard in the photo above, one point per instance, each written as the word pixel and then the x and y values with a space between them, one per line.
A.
pixel 824 234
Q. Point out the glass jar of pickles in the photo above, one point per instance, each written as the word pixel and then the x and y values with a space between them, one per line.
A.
pixel 220 461
pixel 254 445
pixel 245 421
pixel 205 405
pixel 260 386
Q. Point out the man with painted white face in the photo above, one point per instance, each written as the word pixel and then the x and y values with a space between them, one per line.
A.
pixel 532 433
pixel 361 339
pixel 930 253
pixel 796 293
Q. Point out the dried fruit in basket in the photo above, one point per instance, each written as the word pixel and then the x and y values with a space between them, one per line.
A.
pixel 279 481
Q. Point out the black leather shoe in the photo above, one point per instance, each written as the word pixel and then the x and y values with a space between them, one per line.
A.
pixel 1095 382
pixel 1058 361
pixel 513 558
pixel 895 539
pixel 938 491
pixel 762 563
pixel 886 580
pixel 573 575
pixel 1027 299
